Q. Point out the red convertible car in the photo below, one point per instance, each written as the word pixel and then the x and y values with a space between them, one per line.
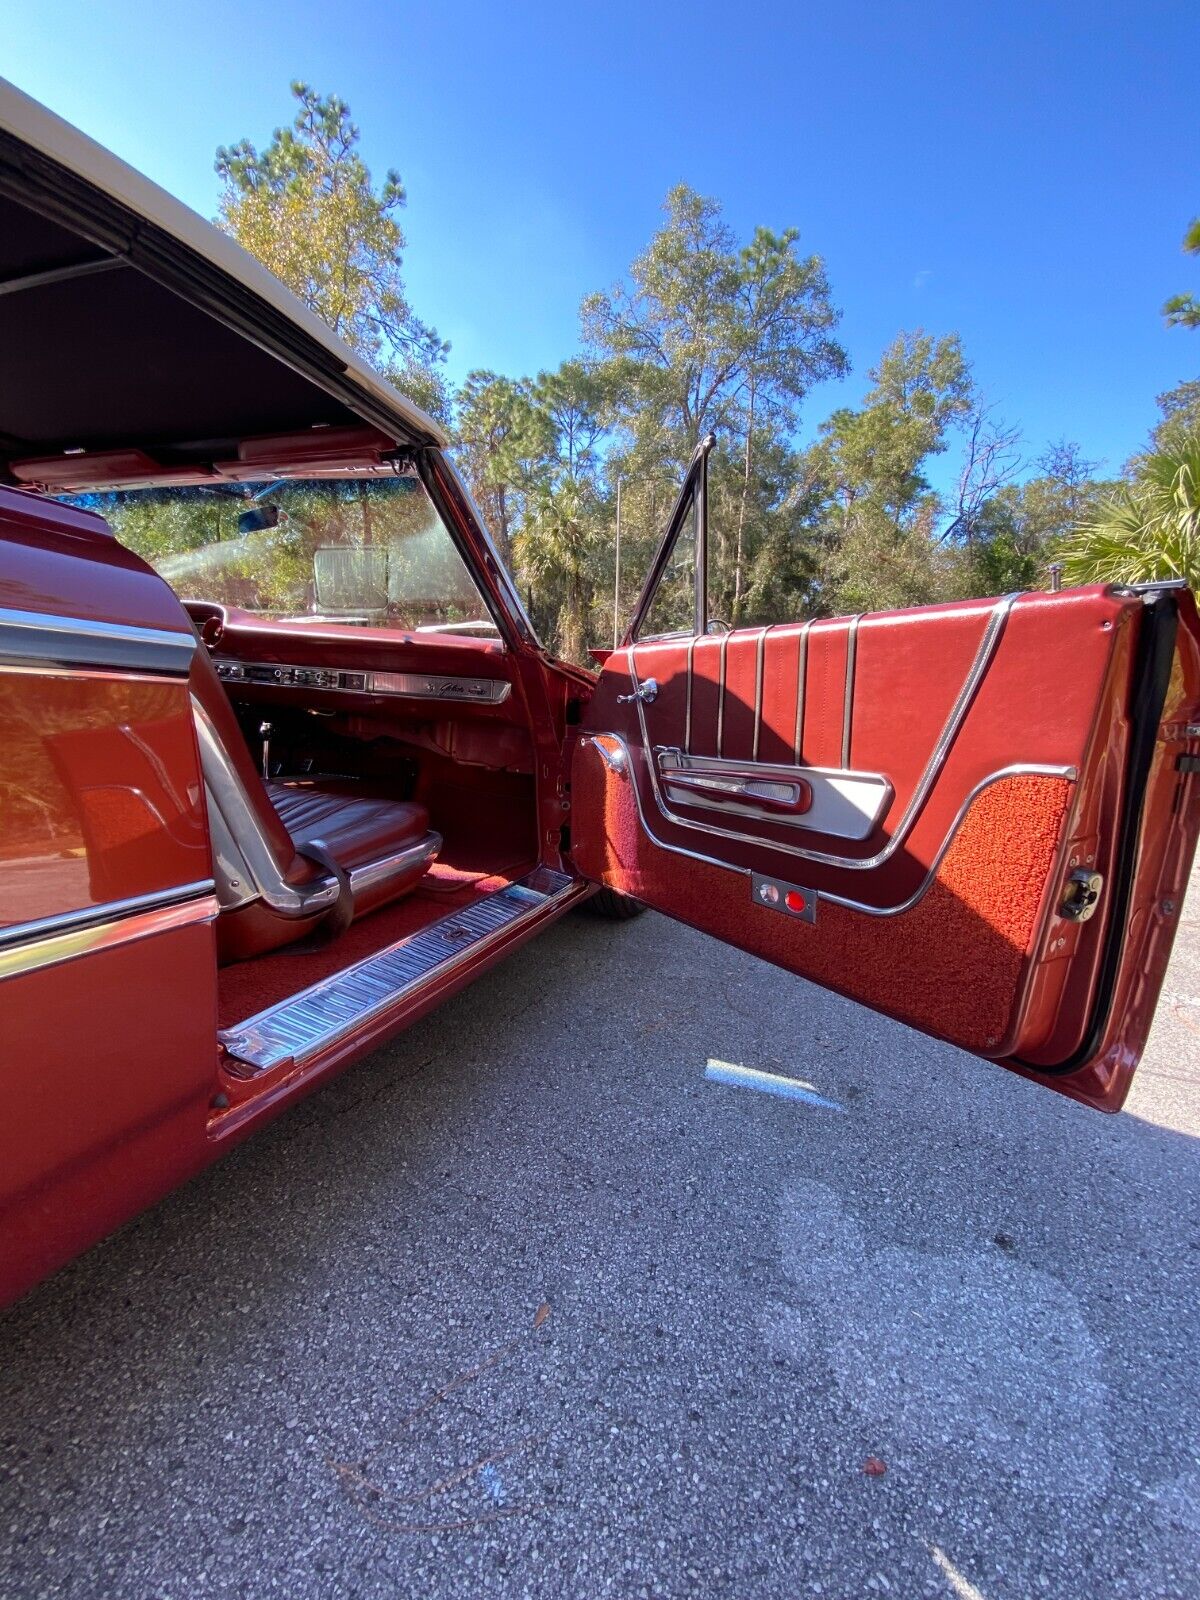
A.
pixel 284 764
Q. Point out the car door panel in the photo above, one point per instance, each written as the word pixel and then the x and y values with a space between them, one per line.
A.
pixel 950 721
pixel 1000 734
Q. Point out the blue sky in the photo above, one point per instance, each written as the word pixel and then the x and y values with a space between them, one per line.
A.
pixel 1022 173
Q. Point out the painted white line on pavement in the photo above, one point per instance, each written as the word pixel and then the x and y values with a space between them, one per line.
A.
pixel 963 1587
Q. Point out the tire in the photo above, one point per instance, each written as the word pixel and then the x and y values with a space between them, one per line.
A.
pixel 611 906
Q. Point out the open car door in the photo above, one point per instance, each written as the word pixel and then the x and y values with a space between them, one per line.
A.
pixel 977 818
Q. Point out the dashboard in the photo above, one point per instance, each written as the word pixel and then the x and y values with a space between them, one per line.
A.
pixel 260 656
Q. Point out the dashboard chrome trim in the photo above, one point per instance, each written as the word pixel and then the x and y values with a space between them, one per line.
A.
pixel 439 686
pixel 234 672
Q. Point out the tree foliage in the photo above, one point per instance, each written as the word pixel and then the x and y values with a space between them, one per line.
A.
pixel 1150 528
pixel 307 208
pixel 918 493
pixel 1183 310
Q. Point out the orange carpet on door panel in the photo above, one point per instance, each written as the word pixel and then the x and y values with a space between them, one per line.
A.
pixel 951 966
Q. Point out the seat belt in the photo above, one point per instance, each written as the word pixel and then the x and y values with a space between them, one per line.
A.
pixel 341 913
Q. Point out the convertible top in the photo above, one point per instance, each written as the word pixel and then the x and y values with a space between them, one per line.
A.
pixel 135 336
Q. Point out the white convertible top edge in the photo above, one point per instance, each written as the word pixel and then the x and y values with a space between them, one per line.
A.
pixel 42 130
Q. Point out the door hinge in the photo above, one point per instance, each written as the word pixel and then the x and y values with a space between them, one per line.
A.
pixel 1082 895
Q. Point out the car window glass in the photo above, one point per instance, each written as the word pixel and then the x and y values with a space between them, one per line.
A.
pixel 673 606
pixel 366 551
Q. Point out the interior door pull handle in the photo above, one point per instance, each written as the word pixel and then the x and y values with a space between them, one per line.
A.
pixel 646 692
pixel 772 794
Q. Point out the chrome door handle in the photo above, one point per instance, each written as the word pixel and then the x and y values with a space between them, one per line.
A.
pixel 646 692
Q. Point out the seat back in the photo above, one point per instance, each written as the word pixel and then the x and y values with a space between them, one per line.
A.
pixel 254 856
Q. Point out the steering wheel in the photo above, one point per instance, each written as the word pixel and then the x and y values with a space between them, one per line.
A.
pixel 209 620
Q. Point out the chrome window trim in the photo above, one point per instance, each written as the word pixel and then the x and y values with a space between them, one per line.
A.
pixel 515 625
pixel 44 639
pixel 984 654
pixel 48 941
pixel 697 470
pixel 1017 770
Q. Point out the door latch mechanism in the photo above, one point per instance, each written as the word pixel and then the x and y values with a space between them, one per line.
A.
pixel 1082 895
pixel 647 692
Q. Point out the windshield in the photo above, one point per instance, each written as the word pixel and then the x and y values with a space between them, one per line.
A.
pixel 371 551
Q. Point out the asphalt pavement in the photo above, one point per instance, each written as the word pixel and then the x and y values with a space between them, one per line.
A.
pixel 528 1304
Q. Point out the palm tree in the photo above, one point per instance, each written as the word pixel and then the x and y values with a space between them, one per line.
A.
pixel 1150 529
pixel 556 552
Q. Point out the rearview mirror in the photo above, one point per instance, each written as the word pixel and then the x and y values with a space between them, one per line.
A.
pixel 260 517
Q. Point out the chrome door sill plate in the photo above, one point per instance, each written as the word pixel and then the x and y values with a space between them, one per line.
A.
pixel 298 1027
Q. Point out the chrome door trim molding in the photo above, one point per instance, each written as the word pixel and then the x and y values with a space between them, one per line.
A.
pixel 720 692
pixel 848 701
pixel 758 688
pixel 1018 770
pixel 801 690
pixel 845 804
pixel 984 655
pixel 43 639
pixel 687 721
pixel 47 941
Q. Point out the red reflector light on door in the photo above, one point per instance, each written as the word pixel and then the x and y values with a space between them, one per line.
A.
pixel 786 897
